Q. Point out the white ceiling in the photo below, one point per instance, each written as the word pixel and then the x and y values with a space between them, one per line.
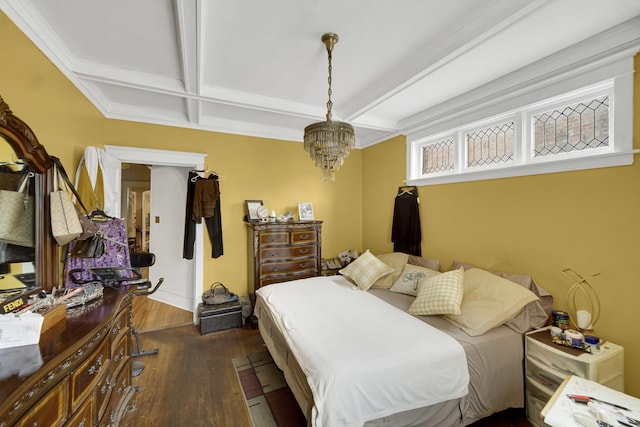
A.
pixel 259 68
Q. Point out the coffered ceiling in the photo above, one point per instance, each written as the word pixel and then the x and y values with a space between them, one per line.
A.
pixel 258 67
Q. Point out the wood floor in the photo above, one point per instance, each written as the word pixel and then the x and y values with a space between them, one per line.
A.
pixel 191 382
pixel 150 315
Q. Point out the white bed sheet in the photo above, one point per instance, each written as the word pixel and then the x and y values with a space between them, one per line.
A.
pixel 387 361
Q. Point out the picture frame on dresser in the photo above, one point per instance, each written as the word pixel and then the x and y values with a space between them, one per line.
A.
pixel 305 211
pixel 251 208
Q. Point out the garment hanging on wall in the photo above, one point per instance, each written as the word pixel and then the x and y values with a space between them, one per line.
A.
pixel 203 201
pixel 405 232
pixel 116 252
pixel 189 223
pixel 93 183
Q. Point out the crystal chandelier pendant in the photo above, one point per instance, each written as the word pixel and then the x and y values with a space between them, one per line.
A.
pixel 329 142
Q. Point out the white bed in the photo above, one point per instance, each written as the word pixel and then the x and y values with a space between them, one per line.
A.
pixel 356 358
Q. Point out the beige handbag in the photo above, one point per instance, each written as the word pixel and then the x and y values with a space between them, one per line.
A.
pixel 17 215
pixel 65 224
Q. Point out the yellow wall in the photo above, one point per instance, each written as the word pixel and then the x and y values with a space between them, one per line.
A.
pixel 278 172
pixel 535 225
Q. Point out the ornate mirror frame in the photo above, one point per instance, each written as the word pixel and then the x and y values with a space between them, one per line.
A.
pixel 26 146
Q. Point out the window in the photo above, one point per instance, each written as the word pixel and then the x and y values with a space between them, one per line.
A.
pixel 574 130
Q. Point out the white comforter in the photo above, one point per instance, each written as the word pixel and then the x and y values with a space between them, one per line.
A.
pixel 363 358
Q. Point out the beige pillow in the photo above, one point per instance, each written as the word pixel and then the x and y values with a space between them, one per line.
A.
pixel 431 263
pixel 533 315
pixel 365 270
pixel 439 294
pixel 395 260
pixel 410 278
pixel 488 302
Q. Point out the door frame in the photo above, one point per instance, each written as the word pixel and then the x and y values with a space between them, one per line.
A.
pixel 153 157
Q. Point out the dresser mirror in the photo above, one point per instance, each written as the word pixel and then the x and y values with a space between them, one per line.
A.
pixel 22 154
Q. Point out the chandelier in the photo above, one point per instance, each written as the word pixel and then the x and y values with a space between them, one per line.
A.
pixel 329 142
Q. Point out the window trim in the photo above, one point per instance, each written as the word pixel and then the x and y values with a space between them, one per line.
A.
pixel 619 152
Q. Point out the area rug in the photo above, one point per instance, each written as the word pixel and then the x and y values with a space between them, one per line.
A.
pixel 269 399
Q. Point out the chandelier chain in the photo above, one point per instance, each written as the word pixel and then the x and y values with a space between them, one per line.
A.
pixel 329 92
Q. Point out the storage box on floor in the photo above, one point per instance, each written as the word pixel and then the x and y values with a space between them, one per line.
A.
pixel 219 317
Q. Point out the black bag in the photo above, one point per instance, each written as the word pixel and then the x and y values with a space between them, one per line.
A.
pixel 13 253
pixel 92 247
pixel 218 294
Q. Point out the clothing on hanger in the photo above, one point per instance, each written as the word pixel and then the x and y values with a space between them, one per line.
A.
pixel 203 201
pixel 93 180
pixel 406 233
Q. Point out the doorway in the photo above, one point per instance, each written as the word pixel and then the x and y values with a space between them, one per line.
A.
pixel 170 165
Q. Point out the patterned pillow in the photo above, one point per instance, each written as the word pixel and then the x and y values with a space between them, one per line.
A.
pixel 412 275
pixel 365 270
pixel 440 294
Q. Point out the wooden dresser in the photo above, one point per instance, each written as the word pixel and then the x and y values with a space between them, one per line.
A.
pixel 279 252
pixel 85 374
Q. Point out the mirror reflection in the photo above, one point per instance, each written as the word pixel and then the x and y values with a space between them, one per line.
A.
pixel 17 226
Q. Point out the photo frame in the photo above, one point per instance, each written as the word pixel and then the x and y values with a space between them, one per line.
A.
pixel 250 207
pixel 305 211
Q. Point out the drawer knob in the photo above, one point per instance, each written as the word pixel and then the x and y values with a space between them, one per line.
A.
pixel 304 237
pixel 304 251
pixel 105 388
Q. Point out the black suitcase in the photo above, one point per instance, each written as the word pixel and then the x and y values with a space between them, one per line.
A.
pixel 219 317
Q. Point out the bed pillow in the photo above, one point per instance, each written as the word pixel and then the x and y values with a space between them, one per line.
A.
pixel 395 260
pixel 431 263
pixel 488 302
pixel 411 276
pixel 533 315
pixel 439 294
pixel 365 270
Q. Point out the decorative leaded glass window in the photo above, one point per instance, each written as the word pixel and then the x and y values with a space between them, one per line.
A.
pixel 438 156
pixel 572 128
pixel 490 145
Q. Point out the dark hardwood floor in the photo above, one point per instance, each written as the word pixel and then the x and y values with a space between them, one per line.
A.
pixel 192 382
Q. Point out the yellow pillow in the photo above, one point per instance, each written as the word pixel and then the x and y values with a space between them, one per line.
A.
pixel 365 270
pixel 395 260
pixel 488 302
pixel 439 294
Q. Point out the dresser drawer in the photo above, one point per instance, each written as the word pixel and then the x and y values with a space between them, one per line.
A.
pixel 120 351
pixel 269 268
pixel 542 376
pixel 554 360
pixel 84 416
pixel 50 411
pixel 103 391
pixel 120 326
pixel 120 395
pixel 288 252
pixel 274 238
pixel 304 236
pixel 269 280
pixel 536 399
pixel 89 373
